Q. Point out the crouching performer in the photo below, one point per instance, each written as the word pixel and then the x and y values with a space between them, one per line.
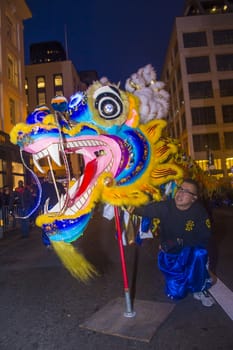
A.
pixel 185 230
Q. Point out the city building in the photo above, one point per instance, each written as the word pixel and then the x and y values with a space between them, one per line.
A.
pixel 88 76
pixel 198 71
pixel 12 93
pixel 49 74
pixel 45 52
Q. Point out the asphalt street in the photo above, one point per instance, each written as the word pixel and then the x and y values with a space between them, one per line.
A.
pixel 42 307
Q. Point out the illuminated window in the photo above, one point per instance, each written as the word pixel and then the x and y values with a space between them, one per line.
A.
pixel 203 164
pixel 58 81
pixel 58 84
pixel 40 82
pixel 229 163
pixel 41 90
pixel 17 168
pixel 17 172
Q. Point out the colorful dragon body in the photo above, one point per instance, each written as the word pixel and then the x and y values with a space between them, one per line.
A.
pixel 127 160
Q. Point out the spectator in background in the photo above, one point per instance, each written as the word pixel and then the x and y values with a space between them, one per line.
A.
pixel 22 198
pixel 5 201
pixel 6 195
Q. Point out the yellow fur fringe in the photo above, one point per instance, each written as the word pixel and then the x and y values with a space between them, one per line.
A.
pixel 75 262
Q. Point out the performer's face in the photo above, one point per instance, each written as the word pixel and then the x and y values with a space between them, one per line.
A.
pixel 185 196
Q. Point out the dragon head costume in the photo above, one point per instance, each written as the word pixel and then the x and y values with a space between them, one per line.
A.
pixel 120 136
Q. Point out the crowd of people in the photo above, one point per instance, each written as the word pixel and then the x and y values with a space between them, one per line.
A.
pixel 17 205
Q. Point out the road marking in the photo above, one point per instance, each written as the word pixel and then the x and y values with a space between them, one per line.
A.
pixel 223 296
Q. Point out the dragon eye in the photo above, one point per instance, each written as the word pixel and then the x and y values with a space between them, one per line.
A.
pixel 108 102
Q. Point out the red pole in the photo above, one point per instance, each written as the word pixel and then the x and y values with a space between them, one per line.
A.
pixel 129 312
pixel 121 248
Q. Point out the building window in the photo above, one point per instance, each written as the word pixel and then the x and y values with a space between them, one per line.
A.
pixel 200 142
pixel 12 70
pixel 195 39
pixel 224 62
pixel 228 138
pixel 202 89
pixel 223 37
pixel 41 98
pixel 41 90
pixel 40 83
pixel 58 81
pixel 203 115
pixel 229 163
pixel 17 172
pixel 227 113
pixel 10 31
pixel 226 87
pixel 12 110
pixel 197 64
pixel 58 84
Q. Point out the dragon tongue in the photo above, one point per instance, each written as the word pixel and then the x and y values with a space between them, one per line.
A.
pixel 89 173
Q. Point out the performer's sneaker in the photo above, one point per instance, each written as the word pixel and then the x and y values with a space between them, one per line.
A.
pixel 205 298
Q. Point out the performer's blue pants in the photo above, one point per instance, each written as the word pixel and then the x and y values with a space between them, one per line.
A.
pixel 184 272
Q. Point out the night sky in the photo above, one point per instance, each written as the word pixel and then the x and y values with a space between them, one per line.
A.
pixel 115 38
